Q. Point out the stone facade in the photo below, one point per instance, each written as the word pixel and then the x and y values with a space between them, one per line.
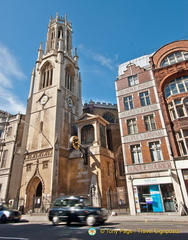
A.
pixel 52 168
pixel 11 160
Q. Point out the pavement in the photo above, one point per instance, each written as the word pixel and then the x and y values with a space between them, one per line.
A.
pixel 120 217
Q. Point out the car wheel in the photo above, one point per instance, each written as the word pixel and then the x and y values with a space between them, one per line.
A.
pixel 16 220
pixel 55 220
pixel 101 222
pixel 90 220
pixel 3 219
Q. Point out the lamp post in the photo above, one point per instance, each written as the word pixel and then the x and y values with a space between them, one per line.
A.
pixel 17 197
pixel 93 188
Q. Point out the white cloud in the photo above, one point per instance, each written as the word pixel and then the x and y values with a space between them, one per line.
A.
pixel 9 71
pixel 99 58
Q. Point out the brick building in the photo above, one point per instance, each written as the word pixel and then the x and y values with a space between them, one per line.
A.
pixel 152 97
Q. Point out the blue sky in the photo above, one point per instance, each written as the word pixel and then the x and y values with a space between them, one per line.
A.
pixel 106 33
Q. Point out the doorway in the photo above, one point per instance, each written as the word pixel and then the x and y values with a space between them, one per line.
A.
pixel 34 195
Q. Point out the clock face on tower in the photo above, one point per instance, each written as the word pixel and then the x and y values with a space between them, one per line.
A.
pixel 70 102
pixel 44 99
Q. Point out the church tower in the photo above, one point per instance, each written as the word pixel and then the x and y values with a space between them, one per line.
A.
pixel 54 104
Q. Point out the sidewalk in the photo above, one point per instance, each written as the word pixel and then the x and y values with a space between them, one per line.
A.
pixel 148 218
pixel 120 217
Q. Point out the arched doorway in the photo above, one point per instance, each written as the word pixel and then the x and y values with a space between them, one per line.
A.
pixel 34 195
pixel 38 196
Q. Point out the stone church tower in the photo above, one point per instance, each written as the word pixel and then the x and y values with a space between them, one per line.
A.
pixel 54 104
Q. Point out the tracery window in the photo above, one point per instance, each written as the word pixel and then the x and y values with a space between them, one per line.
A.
pixel 47 76
pixel 68 39
pixel 69 78
pixel 52 38
pixel 174 58
pixel 177 86
pixel 60 32
pixel 109 117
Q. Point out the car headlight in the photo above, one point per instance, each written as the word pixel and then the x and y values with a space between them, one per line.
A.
pixel 7 213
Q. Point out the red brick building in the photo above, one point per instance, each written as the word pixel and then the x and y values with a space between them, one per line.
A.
pixel 152 97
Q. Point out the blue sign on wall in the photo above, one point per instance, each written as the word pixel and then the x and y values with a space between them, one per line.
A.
pixel 156 196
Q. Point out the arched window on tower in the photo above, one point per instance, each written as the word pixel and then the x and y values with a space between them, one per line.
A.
pixel 46 76
pixel 52 38
pixel 60 32
pixel 68 39
pixel 69 79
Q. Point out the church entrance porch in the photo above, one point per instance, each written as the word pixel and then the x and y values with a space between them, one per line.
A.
pixel 34 195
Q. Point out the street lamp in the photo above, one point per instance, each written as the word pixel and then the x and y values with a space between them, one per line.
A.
pixel 17 197
pixel 93 188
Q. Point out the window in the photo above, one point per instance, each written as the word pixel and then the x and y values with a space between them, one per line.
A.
pixel 60 32
pixel 177 86
pixel 185 134
pixel 155 151
pixel 109 117
pixel 45 164
pixel 87 134
pixel 4 159
pixel 132 80
pixel 182 142
pixel 69 79
pixel 28 167
pixel 149 123
pixel 178 108
pixel 9 131
pixel 174 58
pixel 108 168
pixel 132 126
pixel 136 153
pixel 47 76
pixel 128 103
pixel 68 39
pixel 52 37
pixel 41 126
pixel 144 98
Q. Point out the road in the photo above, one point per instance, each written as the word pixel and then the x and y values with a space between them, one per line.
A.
pixel 109 231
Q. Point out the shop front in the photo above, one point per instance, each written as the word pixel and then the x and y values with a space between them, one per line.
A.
pixel 154 195
pixel 182 171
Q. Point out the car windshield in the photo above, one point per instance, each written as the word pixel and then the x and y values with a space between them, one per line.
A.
pixel 4 206
pixel 70 202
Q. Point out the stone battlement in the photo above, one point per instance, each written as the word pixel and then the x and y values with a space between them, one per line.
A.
pixel 99 104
